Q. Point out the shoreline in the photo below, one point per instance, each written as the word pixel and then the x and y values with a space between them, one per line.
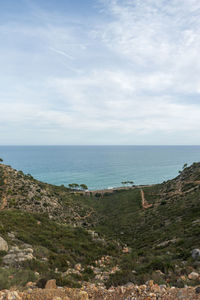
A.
pixel 112 190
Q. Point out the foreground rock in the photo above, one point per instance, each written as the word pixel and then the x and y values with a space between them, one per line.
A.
pixel 149 291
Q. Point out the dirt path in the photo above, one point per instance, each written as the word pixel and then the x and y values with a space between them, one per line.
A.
pixel 145 204
pixel 85 217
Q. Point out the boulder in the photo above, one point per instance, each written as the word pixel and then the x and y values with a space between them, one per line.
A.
pixel 3 245
pixel 51 284
pixel 193 276
pixel 196 254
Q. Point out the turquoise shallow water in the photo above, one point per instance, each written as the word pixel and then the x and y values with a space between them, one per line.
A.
pixel 100 166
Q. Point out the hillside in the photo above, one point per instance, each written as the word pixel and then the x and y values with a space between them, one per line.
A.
pixel 54 232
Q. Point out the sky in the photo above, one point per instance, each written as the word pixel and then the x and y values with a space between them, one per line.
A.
pixel 99 72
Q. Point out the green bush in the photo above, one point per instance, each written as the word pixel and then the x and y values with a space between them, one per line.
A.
pixel 121 278
pixel 15 277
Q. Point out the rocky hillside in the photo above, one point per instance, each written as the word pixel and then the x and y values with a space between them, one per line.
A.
pixel 100 241
pixel 20 191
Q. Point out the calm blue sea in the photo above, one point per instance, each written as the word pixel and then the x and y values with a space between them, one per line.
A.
pixel 100 166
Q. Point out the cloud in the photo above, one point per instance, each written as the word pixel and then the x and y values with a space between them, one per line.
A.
pixel 157 37
pixel 129 74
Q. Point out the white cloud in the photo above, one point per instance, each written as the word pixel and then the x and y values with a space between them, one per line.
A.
pixel 157 37
pixel 132 74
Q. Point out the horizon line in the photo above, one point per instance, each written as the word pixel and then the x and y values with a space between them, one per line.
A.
pixel 101 145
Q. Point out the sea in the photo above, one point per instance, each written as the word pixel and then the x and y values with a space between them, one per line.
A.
pixel 100 167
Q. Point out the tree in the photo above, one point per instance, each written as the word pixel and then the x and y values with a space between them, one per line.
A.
pixel 83 186
pixel 76 186
pixel 130 182
pixel 1 159
pixel 73 186
pixel 184 166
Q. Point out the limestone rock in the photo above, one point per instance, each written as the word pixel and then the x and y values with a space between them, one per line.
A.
pixel 3 245
pixel 51 284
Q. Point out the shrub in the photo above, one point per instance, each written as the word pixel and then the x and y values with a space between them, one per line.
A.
pixel 15 277
pixel 120 278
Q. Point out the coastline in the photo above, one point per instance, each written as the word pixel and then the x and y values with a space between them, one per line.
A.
pixel 111 190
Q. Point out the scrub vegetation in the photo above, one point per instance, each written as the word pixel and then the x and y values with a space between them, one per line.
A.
pixel 71 232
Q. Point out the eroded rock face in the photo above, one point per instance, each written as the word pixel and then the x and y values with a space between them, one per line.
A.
pixel 3 245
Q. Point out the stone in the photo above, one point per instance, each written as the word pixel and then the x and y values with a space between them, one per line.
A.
pixel 11 235
pixel 51 284
pixel 15 249
pixel 150 283
pixel 183 278
pixel 196 254
pixel 126 250
pixel 163 286
pixel 193 276
pixel 30 250
pixel 9 259
pixel 3 245
pixel 77 267
pixel 29 284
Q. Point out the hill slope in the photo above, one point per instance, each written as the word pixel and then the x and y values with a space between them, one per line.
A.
pixel 114 238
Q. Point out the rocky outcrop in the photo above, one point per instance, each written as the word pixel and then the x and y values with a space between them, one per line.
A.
pixel 3 245
pixel 21 191
pixel 15 256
